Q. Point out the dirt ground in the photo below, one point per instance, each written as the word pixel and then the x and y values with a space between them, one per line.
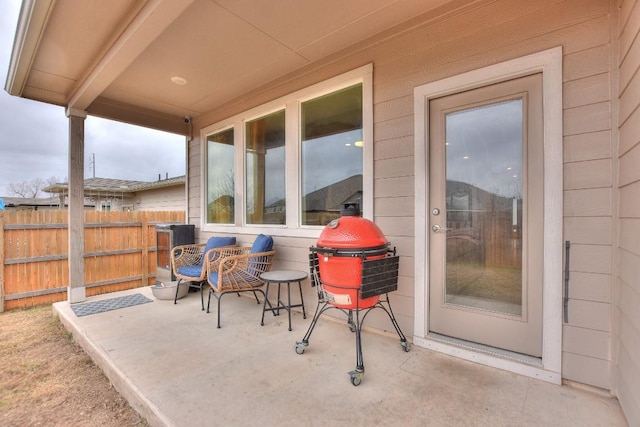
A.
pixel 46 379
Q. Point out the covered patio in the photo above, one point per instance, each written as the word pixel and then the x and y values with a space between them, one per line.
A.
pixel 177 369
pixel 355 96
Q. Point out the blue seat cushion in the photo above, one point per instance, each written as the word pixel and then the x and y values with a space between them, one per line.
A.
pixel 262 244
pixel 213 278
pixel 190 270
pixel 217 242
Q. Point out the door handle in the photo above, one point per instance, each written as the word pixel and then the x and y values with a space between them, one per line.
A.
pixel 437 229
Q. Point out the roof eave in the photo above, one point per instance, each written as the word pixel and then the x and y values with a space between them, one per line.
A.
pixel 32 21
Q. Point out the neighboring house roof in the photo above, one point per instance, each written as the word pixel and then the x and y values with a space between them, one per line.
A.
pixel 30 201
pixel 110 185
pixel 15 202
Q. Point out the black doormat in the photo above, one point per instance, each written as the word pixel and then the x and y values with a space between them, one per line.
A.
pixel 94 307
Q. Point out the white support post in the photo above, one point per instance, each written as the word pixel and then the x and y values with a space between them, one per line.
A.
pixel 76 292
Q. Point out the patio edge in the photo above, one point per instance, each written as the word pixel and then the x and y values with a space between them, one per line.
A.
pixel 150 412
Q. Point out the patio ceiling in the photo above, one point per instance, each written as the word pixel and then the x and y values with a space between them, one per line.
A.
pixel 116 59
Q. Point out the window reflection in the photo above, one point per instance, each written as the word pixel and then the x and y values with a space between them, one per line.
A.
pixel 332 141
pixel 220 178
pixel 484 207
pixel 265 169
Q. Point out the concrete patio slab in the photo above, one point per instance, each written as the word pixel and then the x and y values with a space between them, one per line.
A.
pixel 177 369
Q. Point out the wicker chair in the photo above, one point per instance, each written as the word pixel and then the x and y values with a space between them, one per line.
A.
pixel 238 269
pixel 187 262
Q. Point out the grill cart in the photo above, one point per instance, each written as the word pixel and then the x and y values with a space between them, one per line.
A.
pixel 353 270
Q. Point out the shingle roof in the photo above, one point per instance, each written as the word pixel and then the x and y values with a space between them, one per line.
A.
pixel 117 185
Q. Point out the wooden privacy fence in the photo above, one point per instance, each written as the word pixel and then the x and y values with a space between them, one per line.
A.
pixel 119 248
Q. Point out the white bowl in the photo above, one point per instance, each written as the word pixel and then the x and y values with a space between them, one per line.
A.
pixel 167 290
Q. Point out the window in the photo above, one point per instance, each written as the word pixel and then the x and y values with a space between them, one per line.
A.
pixel 331 133
pixel 220 177
pixel 265 170
pixel 291 164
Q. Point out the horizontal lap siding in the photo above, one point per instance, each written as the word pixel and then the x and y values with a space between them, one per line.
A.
pixel 436 52
pixel 588 221
pixel 627 369
pixel 161 199
pixel 472 37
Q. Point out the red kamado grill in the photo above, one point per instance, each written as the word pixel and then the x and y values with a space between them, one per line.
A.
pixel 352 267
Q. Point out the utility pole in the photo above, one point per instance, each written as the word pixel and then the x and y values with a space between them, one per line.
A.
pixel 92 162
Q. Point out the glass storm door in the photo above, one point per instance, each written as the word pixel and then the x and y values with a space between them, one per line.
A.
pixel 485 220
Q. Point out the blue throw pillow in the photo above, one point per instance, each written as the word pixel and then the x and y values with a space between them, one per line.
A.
pixel 262 244
pixel 217 242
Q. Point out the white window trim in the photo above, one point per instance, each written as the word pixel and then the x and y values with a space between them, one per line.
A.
pixel 291 103
pixel 549 62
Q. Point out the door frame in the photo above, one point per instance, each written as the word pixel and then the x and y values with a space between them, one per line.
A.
pixel 549 63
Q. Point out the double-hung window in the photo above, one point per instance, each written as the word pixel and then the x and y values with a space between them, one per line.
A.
pixel 292 163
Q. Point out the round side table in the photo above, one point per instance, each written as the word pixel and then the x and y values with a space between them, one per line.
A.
pixel 287 277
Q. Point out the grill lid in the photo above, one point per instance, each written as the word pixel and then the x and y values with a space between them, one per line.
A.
pixel 351 231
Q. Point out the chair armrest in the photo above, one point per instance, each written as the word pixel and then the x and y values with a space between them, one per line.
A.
pixel 185 255
pixel 215 255
pixel 241 270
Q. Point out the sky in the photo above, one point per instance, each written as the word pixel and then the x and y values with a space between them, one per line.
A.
pixel 34 135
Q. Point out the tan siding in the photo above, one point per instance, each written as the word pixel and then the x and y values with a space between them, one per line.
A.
pixel 588 118
pixel 630 238
pixel 394 206
pixel 627 368
pixel 588 181
pixel 394 187
pixel 588 230
pixel 389 149
pixel 589 90
pixel 629 162
pixel 194 178
pixel 582 340
pixel 591 174
pixel 585 63
pixel 630 63
pixel 590 286
pixel 591 258
pixel 589 315
pixel 630 28
pixel 629 134
pixel 591 146
pixel 161 199
pixel 394 128
pixel 629 303
pixel 629 269
pixel 585 369
pixel 485 33
pixel 628 99
pixel 399 166
pixel 393 109
pixel 628 389
pixel 401 226
pixel 591 202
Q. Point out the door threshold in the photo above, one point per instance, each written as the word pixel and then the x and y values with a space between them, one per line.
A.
pixel 506 354
pixel 529 366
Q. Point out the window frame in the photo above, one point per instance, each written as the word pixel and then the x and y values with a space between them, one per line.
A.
pixel 291 104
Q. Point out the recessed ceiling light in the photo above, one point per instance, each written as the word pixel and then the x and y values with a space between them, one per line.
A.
pixel 181 81
pixel 359 144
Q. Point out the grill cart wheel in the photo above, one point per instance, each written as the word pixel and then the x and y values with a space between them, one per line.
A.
pixel 356 377
pixel 300 347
